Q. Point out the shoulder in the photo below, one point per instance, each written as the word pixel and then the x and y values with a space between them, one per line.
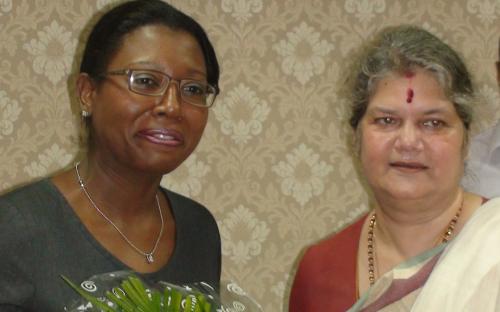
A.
pixel 336 246
pixel 333 252
pixel 27 200
pixel 489 210
pixel 35 191
pixel 328 270
pixel 191 216
pixel 473 260
pixel 29 212
pixel 198 243
pixel 183 206
pixel 482 220
pixel 20 225
pixel 25 212
pixel 179 199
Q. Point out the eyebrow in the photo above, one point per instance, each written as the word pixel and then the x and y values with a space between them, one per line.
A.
pixel 149 64
pixel 435 111
pixel 379 109
pixel 432 111
pixel 155 66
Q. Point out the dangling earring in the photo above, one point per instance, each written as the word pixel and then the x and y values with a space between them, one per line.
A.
pixel 85 114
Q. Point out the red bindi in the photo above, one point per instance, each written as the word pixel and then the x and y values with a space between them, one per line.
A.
pixel 409 95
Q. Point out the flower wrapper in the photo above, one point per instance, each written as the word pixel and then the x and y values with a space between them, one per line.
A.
pixel 124 291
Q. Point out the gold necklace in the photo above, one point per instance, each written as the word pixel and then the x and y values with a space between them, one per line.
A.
pixel 448 233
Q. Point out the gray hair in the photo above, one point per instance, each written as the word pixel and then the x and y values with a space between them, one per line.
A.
pixel 402 49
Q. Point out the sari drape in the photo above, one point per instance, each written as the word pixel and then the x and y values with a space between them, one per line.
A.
pixel 463 275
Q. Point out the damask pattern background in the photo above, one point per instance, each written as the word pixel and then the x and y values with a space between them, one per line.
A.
pixel 274 165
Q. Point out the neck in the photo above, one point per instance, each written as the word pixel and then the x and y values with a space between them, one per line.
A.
pixel 412 227
pixel 118 189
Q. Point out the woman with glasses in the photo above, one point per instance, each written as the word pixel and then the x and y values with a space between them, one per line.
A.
pixel 148 77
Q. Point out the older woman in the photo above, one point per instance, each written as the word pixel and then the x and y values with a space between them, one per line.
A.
pixel 411 112
pixel 147 79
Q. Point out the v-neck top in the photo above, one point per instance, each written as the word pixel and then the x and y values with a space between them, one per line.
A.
pixel 41 238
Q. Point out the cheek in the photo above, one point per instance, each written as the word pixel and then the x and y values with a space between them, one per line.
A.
pixel 374 156
pixel 114 107
pixel 197 120
pixel 448 154
pixel 373 146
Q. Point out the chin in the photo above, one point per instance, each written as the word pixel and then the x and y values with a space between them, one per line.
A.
pixel 406 193
pixel 157 166
pixel 167 168
pixel 397 190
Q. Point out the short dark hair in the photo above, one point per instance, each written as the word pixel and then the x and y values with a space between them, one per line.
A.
pixel 107 34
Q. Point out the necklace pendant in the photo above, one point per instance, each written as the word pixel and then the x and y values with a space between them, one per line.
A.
pixel 149 258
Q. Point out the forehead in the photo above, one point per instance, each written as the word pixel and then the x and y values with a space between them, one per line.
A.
pixel 393 91
pixel 159 45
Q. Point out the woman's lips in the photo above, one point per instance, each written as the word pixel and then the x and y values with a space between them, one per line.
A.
pixel 408 166
pixel 166 137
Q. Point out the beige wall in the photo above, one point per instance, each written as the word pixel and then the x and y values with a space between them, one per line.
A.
pixel 273 165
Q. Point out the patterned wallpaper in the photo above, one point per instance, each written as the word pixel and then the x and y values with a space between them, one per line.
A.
pixel 274 165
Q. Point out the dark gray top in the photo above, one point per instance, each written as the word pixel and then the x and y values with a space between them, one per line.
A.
pixel 41 238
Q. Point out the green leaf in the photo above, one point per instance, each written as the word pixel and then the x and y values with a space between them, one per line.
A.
pixel 95 302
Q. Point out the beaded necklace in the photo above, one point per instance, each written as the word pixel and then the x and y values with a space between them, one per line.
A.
pixel 448 233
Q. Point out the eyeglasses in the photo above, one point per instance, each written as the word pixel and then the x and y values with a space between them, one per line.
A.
pixel 155 83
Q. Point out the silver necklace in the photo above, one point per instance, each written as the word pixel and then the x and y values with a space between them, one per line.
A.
pixel 148 255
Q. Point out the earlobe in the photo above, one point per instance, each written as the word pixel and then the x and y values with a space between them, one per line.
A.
pixel 85 89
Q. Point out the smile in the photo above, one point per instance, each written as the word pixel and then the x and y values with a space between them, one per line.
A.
pixel 166 137
pixel 411 166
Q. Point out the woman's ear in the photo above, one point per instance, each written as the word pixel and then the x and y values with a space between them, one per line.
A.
pixel 85 88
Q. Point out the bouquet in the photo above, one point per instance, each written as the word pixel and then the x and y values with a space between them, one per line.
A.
pixel 125 292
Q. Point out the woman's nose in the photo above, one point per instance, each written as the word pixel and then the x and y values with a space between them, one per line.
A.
pixel 409 138
pixel 170 103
